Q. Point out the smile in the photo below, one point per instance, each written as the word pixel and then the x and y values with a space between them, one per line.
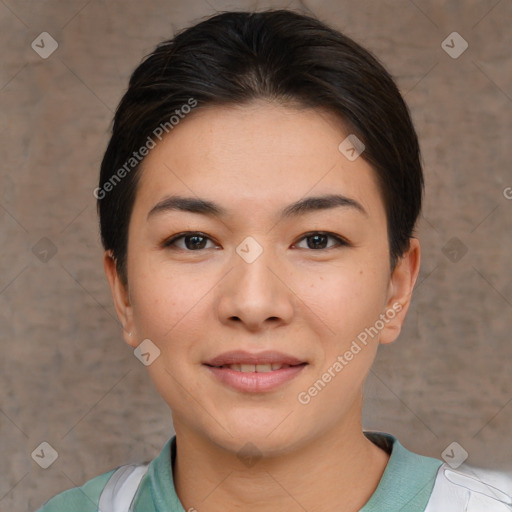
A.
pixel 255 368
pixel 254 372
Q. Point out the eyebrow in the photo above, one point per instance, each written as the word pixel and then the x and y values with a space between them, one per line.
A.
pixel 300 207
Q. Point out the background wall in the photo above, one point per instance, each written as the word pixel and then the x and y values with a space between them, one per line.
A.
pixel 68 379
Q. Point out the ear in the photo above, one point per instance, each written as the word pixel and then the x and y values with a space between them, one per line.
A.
pixel 121 298
pixel 401 286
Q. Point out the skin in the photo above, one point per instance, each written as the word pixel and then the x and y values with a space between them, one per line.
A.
pixel 254 160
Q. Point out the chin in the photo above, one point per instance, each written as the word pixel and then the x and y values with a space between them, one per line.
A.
pixel 266 437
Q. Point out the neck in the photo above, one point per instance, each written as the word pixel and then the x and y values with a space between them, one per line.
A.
pixel 336 472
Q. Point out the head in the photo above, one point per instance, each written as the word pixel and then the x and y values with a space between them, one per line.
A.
pixel 236 215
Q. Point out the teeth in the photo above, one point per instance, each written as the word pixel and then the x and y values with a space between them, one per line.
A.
pixel 263 368
pixel 258 368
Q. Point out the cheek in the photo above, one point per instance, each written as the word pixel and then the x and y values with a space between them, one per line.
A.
pixel 347 298
pixel 166 302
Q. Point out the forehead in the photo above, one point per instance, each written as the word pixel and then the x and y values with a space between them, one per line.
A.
pixel 259 155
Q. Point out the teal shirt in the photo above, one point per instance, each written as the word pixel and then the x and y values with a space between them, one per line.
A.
pixel 406 484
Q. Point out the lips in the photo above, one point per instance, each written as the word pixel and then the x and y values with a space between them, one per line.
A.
pixel 255 362
pixel 258 368
pixel 254 372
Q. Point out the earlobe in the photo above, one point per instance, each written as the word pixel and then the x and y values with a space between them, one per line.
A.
pixel 120 297
pixel 402 281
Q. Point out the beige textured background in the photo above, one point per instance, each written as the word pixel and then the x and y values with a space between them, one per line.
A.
pixel 67 377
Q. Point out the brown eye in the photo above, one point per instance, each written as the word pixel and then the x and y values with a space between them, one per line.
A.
pixel 195 242
pixel 189 242
pixel 320 240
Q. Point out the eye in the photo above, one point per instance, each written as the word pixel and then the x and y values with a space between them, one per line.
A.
pixel 320 240
pixel 189 241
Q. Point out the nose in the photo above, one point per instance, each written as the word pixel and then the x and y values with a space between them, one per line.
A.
pixel 255 296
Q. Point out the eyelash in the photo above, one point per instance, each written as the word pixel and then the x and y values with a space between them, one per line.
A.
pixel 340 241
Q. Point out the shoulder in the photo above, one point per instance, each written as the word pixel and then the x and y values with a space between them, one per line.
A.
pixel 471 488
pixel 79 499
pixel 125 480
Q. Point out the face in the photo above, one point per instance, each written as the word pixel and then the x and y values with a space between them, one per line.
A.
pixel 258 265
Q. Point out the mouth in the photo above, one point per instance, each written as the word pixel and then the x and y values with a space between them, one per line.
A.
pixel 254 372
pixel 260 362
pixel 256 368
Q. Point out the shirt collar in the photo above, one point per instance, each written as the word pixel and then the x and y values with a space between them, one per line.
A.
pixel 406 483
